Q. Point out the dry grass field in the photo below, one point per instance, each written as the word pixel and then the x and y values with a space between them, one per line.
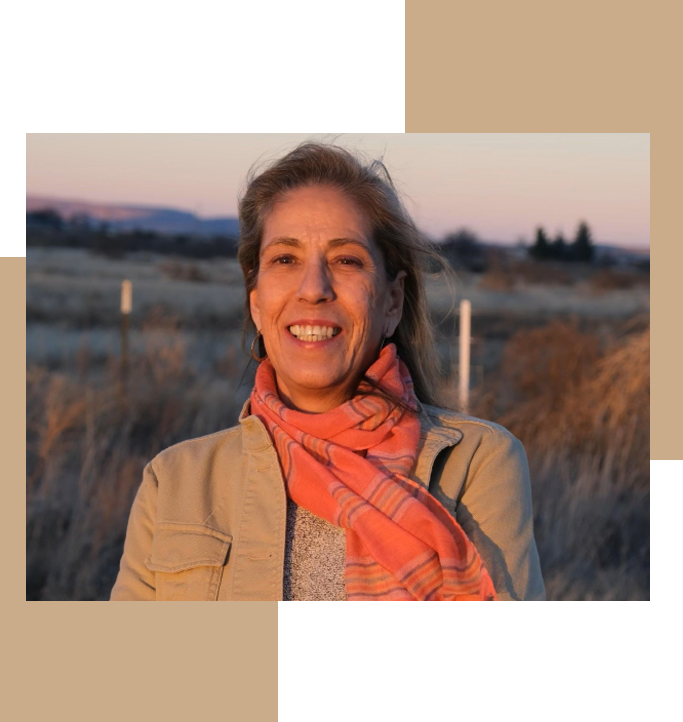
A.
pixel 561 359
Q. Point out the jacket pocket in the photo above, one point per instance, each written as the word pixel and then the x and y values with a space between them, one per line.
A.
pixel 188 562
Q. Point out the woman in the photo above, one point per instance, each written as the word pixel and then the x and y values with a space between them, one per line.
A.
pixel 343 480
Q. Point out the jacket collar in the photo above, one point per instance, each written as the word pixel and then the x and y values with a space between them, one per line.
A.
pixel 434 438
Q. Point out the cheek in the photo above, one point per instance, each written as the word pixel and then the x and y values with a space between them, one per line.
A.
pixel 267 299
pixel 367 302
pixel 364 298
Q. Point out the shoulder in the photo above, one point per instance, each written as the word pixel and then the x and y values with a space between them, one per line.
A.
pixel 484 462
pixel 455 419
pixel 481 451
pixel 201 478
pixel 474 432
pixel 198 452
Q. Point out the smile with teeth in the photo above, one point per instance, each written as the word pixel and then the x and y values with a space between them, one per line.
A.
pixel 314 333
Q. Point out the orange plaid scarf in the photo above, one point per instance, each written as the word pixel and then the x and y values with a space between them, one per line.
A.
pixel 401 543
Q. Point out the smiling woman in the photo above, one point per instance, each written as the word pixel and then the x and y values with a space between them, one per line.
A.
pixel 343 480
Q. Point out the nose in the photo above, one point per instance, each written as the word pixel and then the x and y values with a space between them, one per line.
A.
pixel 316 285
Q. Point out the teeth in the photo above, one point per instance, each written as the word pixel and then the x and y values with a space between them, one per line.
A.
pixel 313 333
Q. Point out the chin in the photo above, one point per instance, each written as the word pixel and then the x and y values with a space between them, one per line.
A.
pixel 317 380
pixel 316 383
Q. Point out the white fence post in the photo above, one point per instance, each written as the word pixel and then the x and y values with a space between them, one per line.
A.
pixel 464 357
pixel 126 308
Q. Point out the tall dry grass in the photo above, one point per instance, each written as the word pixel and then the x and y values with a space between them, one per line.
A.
pixel 88 439
pixel 582 409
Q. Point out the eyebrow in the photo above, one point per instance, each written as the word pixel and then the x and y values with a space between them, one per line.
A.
pixel 333 243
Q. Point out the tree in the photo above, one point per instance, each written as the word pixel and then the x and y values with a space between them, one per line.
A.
pixel 45 218
pixel 559 248
pixel 464 250
pixel 582 249
pixel 541 248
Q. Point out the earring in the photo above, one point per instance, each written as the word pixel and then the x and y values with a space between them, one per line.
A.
pixel 253 353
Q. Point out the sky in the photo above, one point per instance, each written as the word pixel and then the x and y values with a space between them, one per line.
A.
pixel 499 185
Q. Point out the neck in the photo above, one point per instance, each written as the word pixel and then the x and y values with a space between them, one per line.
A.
pixel 316 403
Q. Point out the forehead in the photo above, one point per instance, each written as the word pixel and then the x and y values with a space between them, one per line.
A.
pixel 317 213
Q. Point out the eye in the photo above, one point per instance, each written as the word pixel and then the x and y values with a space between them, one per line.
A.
pixel 285 259
pixel 349 261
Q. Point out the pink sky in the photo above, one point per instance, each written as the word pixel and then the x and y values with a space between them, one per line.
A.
pixel 500 185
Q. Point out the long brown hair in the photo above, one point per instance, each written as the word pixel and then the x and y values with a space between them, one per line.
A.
pixel 403 247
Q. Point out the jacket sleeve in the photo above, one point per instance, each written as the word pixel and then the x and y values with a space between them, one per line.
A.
pixel 495 512
pixel 135 582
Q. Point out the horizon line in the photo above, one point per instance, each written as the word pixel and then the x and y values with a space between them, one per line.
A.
pixel 645 246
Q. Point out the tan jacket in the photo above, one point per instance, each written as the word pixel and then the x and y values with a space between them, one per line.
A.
pixel 208 522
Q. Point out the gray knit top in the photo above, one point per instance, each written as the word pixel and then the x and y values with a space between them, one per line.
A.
pixel 315 558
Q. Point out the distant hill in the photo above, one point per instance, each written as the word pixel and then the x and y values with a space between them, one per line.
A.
pixel 168 221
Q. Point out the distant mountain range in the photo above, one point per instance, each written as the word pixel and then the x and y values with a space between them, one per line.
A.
pixel 173 222
pixel 168 221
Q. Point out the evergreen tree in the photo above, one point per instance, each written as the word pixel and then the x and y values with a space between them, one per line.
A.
pixel 463 249
pixel 559 248
pixel 46 218
pixel 582 248
pixel 541 248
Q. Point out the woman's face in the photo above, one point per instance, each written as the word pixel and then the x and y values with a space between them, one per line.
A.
pixel 319 268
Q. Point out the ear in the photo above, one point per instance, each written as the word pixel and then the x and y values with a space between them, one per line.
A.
pixel 395 295
pixel 254 308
